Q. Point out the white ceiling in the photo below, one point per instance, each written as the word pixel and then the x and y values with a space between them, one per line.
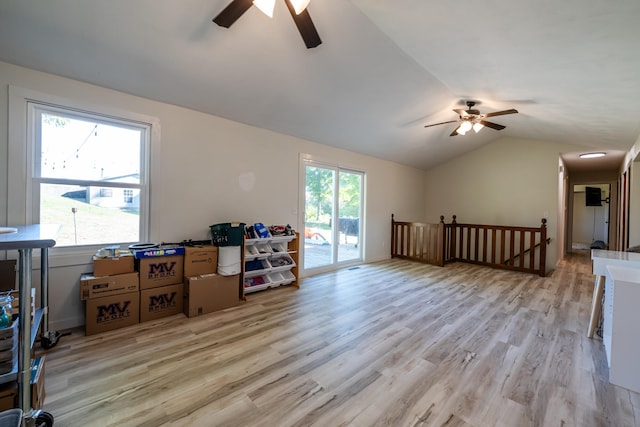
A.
pixel 384 70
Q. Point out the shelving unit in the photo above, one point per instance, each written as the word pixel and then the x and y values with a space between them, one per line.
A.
pixel 24 239
pixel 270 262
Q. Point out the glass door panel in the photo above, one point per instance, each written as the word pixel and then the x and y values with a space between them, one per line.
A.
pixel 349 214
pixel 332 215
pixel 318 216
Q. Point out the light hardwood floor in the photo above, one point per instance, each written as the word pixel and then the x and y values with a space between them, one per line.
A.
pixel 387 344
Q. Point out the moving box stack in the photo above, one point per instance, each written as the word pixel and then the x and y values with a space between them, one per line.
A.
pixel 130 287
pixel 205 291
pixel 111 293
pixel 161 287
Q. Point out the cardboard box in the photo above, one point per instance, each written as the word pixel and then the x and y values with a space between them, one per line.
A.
pixel 161 251
pixel 9 390
pixel 200 260
pixel 7 275
pixel 112 266
pixel 156 303
pixel 37 383
pixel 160 271
pixel 112 312
pixel 97 287
pixel 8 394
pixel 210 292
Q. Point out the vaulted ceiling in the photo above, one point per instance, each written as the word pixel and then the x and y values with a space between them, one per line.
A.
pixel 383 71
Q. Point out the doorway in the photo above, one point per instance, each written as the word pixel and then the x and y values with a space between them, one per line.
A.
pixel 591 216
pixel 333 207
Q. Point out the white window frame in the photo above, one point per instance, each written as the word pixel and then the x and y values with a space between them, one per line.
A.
pixel 23 206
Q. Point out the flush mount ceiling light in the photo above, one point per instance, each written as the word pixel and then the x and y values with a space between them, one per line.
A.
pixel 592 155
pixel 297 8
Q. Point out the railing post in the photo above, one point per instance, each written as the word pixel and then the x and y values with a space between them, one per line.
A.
pixel 393 232
pixel 442 234
pixel 543 248
pixel 453 244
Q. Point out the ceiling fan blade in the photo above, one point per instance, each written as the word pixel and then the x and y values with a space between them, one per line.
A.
pixel 232 12
pixel 492 125
pixel 305 26
pixel 441 123
pixel 462 113
pixel 501 113
pixel 455 132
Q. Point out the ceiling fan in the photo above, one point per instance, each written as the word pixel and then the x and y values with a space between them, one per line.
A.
pixel 471 118
pixel 297 8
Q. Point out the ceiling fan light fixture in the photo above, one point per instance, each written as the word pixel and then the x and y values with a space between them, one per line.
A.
pixel 465 126
pixel 477 127
pixel 592 155
pixel 299 5
pixel 265 6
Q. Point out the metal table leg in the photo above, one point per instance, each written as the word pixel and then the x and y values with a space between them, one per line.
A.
pixel 24 343
pixel 48 338
pixel 595 305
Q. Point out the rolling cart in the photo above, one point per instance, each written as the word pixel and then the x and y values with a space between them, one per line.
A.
pixel 24 239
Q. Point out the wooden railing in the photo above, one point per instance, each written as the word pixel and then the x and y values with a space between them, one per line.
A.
pixel 497 246
pixel 418 241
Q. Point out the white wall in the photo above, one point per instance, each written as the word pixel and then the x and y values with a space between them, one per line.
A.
pixel 197 174
pixel 508 182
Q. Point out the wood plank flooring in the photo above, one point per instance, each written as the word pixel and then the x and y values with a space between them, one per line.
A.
pixel 394 343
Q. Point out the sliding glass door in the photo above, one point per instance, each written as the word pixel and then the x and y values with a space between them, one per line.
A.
pixel 332 215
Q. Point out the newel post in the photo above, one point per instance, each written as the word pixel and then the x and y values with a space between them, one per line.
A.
pixel 543 248
pixel 453 244
pixel 393 237
pixel 442 236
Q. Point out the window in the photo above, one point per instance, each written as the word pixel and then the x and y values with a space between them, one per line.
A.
pixel 128 196
pixel 79 161
pixel 70 163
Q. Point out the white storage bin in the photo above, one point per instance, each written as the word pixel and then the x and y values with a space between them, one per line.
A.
pixel 282 263
pixel 288 277
pixel 278 247
pixel 257 283
pixel 256 267
pixel 284 239
pixel 250 252
pixel 263 249
pixel 276 279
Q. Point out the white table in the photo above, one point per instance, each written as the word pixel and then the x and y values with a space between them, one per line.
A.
pixel 601 259
pixel 24 240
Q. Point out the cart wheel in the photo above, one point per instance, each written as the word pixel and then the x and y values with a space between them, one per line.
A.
pixel 48 342
pixel 44 419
